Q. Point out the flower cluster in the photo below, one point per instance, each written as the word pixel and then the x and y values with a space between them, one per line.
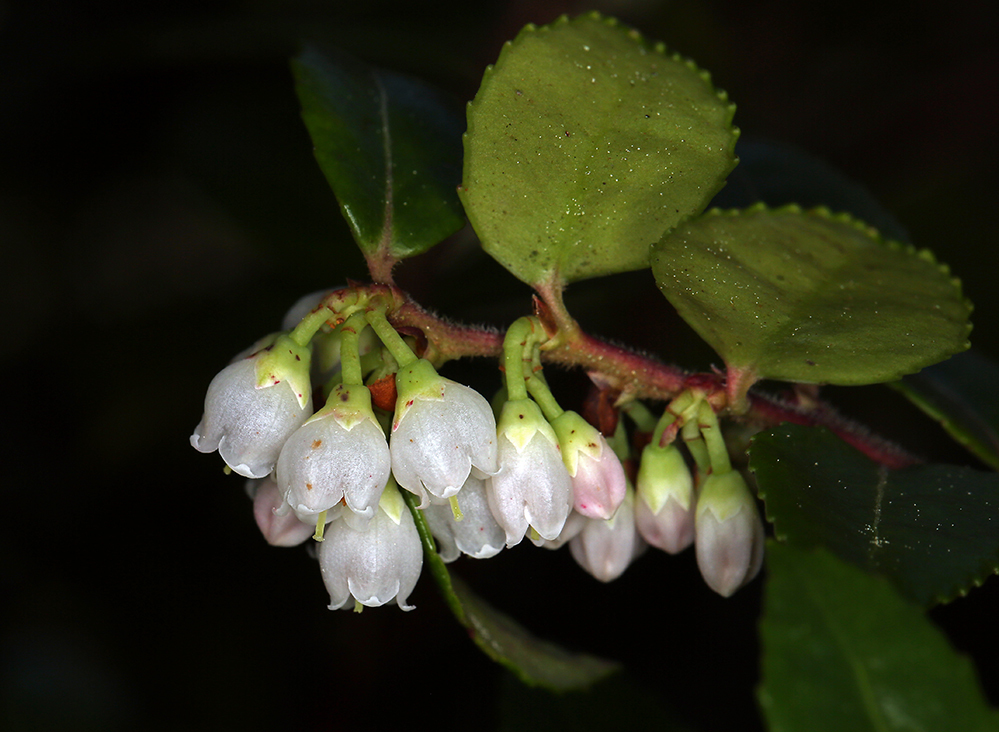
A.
pixel 479 483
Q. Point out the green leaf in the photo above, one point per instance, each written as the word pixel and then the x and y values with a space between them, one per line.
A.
pixel 962 393
pixel 810 297
pixel 584 145
pixel 842 651
pixel 534 661
pixel 390 149
pixel 932 530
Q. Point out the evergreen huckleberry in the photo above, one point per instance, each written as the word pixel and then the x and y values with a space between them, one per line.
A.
pixel 254 405
pixel 598 482
pixel 664 505
pixel 605 547
pixel 376 565
pixel 441 430
pixel 532 488
pixel 475 533
pixel 728 533
pixel 401 464
pixel 338 454
pixel 276 522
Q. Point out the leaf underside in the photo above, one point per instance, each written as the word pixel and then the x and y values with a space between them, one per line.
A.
pixel 584 144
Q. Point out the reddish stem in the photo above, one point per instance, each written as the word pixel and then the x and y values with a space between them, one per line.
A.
pixel 634 375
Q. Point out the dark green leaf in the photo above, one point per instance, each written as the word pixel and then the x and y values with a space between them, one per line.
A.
pixel 810 297
pixel 933 530
pixel 390 149
pixel 584 145
pixel 962 393
pixel 533 660
pixel 842 651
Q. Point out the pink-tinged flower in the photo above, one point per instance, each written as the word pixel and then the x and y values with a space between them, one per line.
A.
pixel 728 533
pixel 279 526
pixel 605 547
pixel 532 487
pixel 664 506
pixel 598 484
pixel 340 453
pixel 476 534
pixel 254 405
pixel 441 430
pixel 378 565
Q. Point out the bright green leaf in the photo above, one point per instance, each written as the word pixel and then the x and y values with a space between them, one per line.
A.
pixel 584 145
pixel 842 651
pixel 390 149
pixel 810 297
pixel 933 530
pixel 534 661
pixel 962 393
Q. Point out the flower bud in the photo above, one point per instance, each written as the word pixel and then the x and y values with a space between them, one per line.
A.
pixel 728 533
pixel 254 405
pixel 605 547
pixel 532 487
pixel 476 534
pixel 598 483
pixel 340 453
pixel 378 565
pixel 279 526
pixel 664 506
pixel 441 430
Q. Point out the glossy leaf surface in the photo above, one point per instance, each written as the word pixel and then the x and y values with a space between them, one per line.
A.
pixel 810 297
pixel 842 651
pixel 390 148
pixel 585 144
pixel 932 530
pixel 961 393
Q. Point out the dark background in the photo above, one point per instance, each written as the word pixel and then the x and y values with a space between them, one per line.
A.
pixel 159 210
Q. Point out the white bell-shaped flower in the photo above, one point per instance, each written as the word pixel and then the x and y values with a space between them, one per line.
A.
pixel 729 534
pixel 254 405
pixel 441 430
pixel 605 547
pixel 377 565
pixel 476 534
pixel 340 453
pixel 664 505
pixel 532 487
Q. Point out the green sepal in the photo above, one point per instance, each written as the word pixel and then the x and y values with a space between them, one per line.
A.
pixel 810 296
pixel 663 474
pixel 348 405
pixel 576 435
pixel 725 495
pixel 585 143
pixel 286 360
